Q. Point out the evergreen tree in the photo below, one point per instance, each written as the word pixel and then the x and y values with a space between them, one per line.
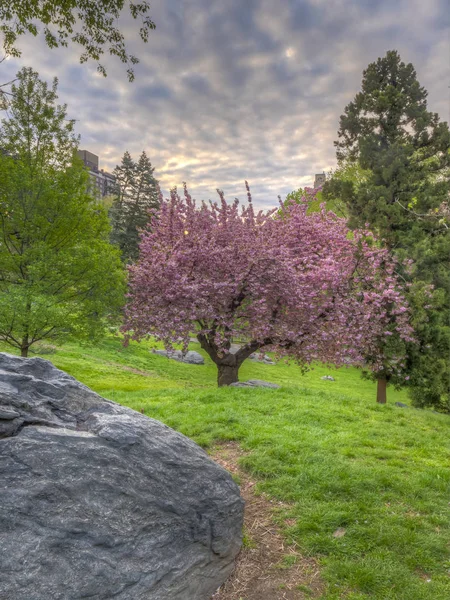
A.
pixel 403 151
pixel 137 194
pixel 59 275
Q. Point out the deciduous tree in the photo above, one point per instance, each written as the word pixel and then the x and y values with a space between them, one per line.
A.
pixel 59 275
pixel 289 281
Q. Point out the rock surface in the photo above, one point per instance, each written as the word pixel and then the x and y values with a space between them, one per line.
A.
pixel 255 383
pixel 261 358
pixel 191 357
pixel 98 501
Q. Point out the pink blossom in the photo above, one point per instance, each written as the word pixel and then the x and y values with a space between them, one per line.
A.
pixel 284 280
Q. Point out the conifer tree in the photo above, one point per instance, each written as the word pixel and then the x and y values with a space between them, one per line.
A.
pixel 388 130
pixel 403 150
pixel 136 195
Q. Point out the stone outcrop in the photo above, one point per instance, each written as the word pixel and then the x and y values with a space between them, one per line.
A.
pixel 191 357
pixel 98 501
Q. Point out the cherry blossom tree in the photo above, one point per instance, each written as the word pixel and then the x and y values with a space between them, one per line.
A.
pixel 286 281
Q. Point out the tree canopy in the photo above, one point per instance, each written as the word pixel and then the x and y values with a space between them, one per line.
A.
pixel 59 275
pixel 294 282
pixel 394 174
pixel 92 25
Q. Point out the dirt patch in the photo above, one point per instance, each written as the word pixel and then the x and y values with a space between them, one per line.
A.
pixel 266 568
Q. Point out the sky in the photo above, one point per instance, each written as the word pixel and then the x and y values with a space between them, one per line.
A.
pixel 242 89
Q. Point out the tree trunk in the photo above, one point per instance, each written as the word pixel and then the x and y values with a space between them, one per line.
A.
pixel 381 391
pixel 26 338
pixel 227 374
pixel 24 346
pixel 228 365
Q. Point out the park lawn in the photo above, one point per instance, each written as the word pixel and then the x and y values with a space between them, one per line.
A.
pixel 333 457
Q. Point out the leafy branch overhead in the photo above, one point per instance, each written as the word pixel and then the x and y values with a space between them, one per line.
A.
pixel 91 25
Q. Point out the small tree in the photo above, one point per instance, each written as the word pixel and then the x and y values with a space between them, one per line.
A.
pixel 59 275
pixel 137 195
pixel 288 281
pixel 385 360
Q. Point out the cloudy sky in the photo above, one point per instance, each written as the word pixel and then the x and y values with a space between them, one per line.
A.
pixel 243 89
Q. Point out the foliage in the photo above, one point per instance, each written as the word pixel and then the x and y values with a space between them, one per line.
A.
pixel 430 300
pixel 314 199
pixel 401 149
pixel 325 454
pixel 297 283
pixel 341 183
pixel 137 195
pixel 58 273
pixel 36 129
pixel 394 175
pixel 296 196
pixel 91 25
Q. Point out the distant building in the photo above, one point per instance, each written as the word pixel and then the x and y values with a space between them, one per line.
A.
pixel 102 181
pixel 319 179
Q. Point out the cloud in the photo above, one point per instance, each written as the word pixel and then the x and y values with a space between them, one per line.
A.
pixel 227 91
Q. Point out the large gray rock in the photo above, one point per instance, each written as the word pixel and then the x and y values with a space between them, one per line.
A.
pixel 191 357
pixel 255 383
pixel 98 501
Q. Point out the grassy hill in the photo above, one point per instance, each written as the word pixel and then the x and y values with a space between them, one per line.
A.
pixel 336 460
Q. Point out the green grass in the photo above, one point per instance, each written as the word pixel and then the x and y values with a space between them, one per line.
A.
pixel 325 448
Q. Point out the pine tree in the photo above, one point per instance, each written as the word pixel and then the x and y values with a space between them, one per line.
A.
pixel 404 152
pixel 137 194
